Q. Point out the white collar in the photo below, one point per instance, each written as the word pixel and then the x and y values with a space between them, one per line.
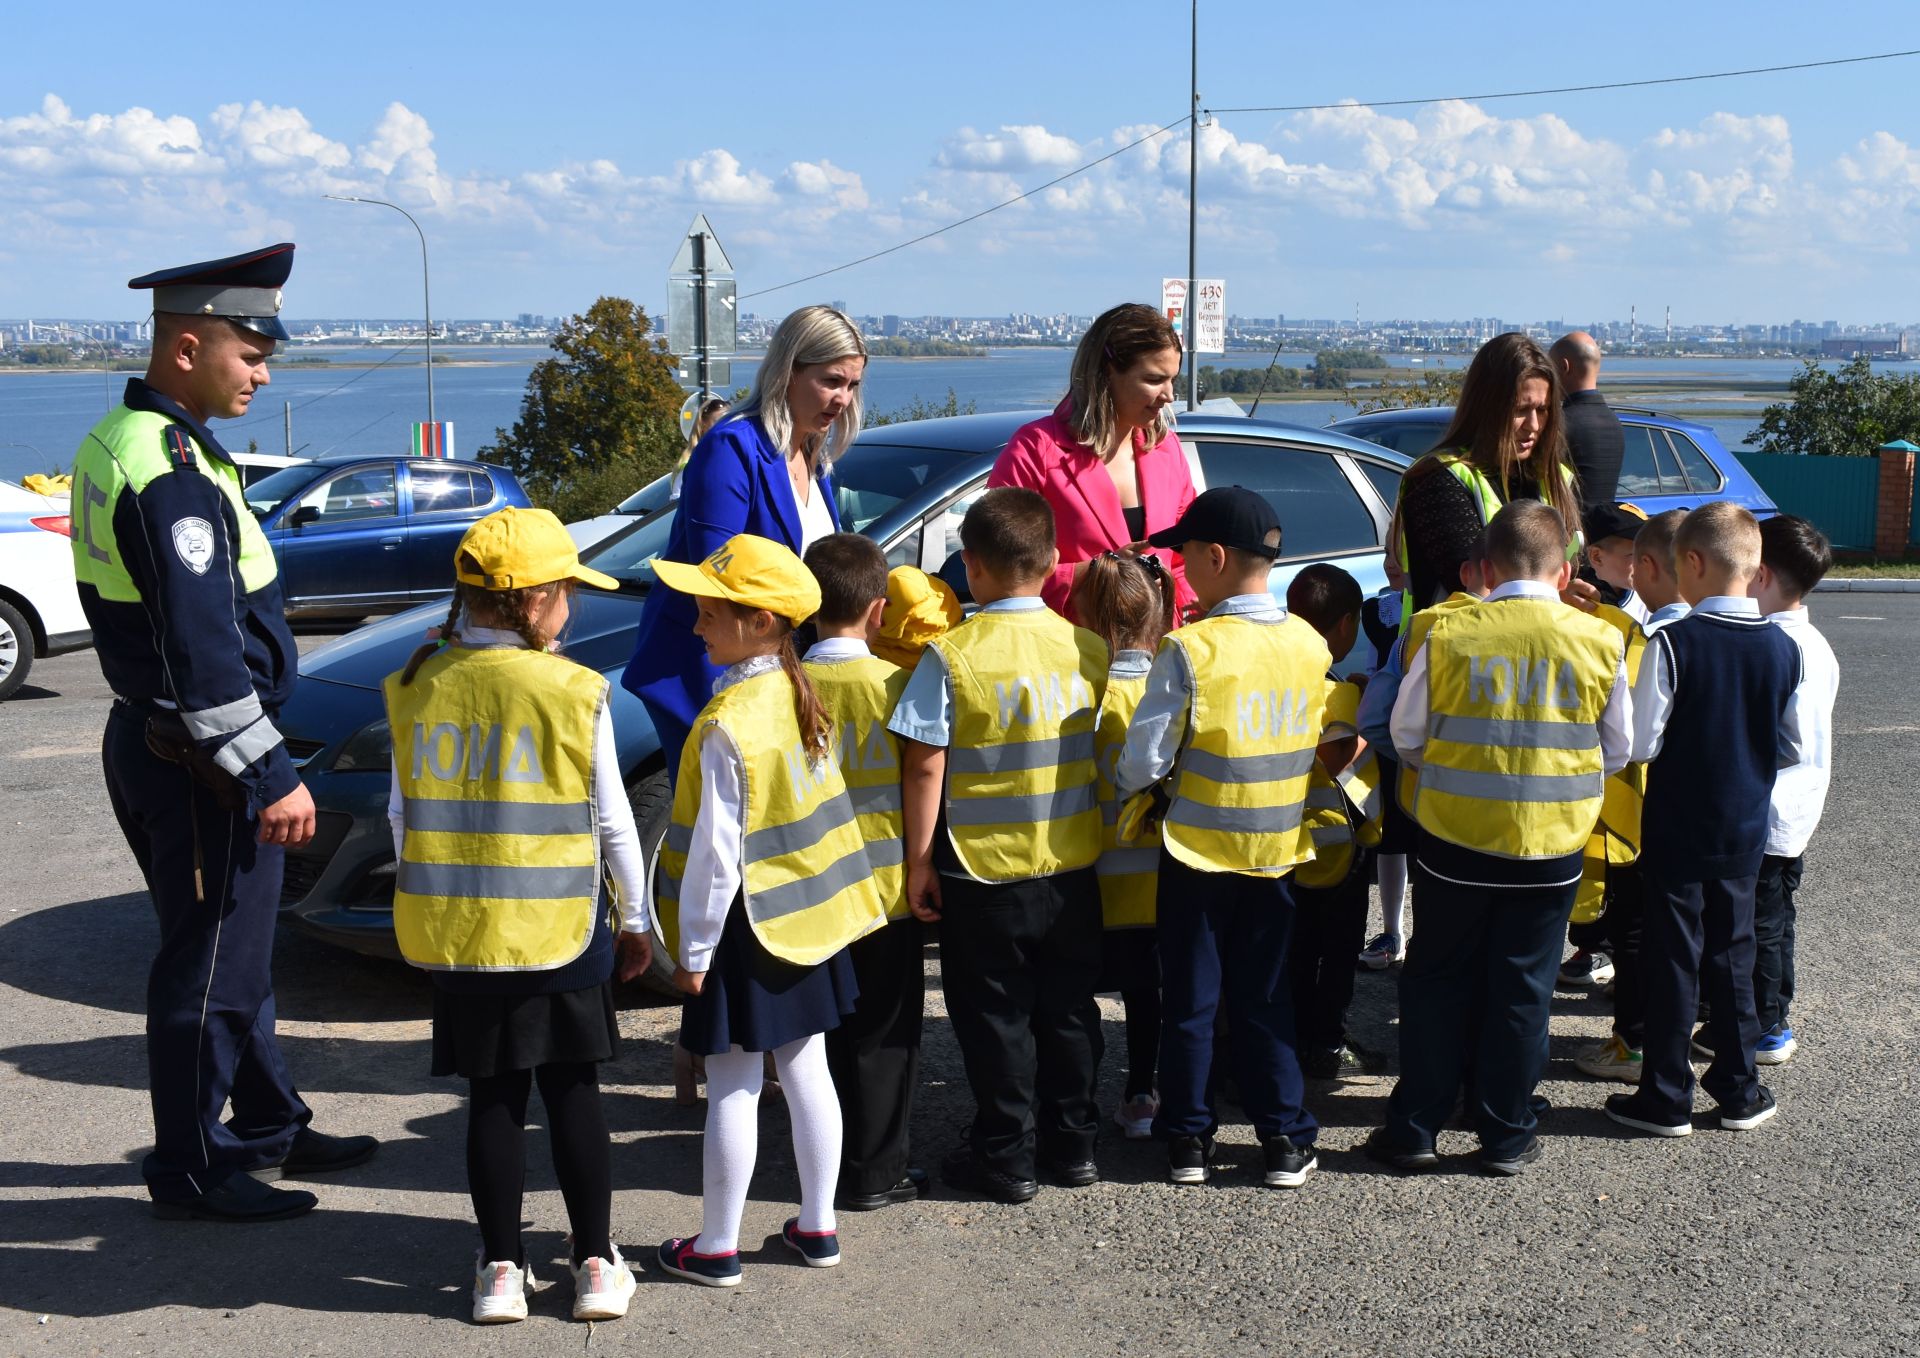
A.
pixel 1523 589
pixel 1735 604
pixel 829 649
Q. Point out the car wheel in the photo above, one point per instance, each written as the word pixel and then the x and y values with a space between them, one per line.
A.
pixel 652 801
pixel 16 650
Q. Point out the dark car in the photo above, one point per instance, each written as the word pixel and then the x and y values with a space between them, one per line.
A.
pixel 906 485
pixel 357 535
pixel 1669 463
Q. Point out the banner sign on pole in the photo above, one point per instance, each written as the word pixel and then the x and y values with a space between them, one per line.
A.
pixel 1173 302
pixel 1210 316
pixel 433 440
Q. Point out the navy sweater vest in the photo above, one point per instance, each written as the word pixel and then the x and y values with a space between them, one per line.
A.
pixel 1709 787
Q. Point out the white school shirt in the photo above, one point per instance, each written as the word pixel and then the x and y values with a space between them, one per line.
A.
pixel 1800 791
pixel 1408 726
pixel 619 840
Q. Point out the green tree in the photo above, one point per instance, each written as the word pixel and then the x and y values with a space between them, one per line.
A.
pixel 1247 381
pixel 1334 369
pixel 599 419
pixel 920 409
pixel 1848 413
pixel 1410 390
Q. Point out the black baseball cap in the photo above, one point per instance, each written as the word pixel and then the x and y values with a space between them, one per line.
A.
pixel 1614 521
pixel 1232 516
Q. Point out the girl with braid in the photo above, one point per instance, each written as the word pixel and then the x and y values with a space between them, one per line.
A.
pixel 507 802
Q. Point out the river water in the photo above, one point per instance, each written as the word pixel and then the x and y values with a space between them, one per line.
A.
pixel 337 408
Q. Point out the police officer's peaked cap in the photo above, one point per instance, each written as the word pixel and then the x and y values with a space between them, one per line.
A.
pixel 244 289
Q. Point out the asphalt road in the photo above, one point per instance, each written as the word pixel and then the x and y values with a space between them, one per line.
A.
pixel 1796 1238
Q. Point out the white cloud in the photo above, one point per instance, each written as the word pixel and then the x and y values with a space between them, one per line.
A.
pixel 54 143
pixel 1010 150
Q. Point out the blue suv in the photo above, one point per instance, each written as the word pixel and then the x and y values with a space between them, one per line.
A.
pixel 1669 463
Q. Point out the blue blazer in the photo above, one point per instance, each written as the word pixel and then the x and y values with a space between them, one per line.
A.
pixel 736 482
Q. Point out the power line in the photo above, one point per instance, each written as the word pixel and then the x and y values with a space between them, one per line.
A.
pixel 1570 89
pixel 1310 108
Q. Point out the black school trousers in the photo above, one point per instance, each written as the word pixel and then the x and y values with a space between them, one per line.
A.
pixel 1774 920
pixel 1699 937
pixel 1329 930
pixel 1018 962
pixel 875 1056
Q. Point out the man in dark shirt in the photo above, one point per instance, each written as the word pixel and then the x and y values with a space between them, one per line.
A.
pixel 1594 438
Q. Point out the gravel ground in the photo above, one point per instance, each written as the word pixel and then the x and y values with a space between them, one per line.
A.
pixel 1797 1238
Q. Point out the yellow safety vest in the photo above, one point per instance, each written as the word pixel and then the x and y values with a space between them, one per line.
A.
pixel 807 884
pixel 1240 782
pixel 1512 765
pixel 860 694
pixel 1129 873
pixel 125 451
pixel 1416 635
pixel 500 861
pixel 1487 499
pixel 1342 810
pixel 1021 800
pixel 1616 839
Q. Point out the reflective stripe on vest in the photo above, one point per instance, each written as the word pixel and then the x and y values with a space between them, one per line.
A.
pixel 125 451
pixel 1415 632
pixel 1129 873
pixel 1240 782
pixel 500 860
pixel 807 878
pixel 860 693
pixel 1021 800
pixel 1512 766
pixel 1340 810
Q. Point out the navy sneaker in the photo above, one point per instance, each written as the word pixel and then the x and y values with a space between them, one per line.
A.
pixel 1383 1149
pixel 1776 1048
pixel 1628 1111
pixel 679 1258
pixel 819 1249
pixel 1510 1164
pixel 1747 1116
pixel 1190 1159
pixel 1288 1165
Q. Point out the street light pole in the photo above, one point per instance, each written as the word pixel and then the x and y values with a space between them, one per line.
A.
pixel 1189 325
pixel 426 286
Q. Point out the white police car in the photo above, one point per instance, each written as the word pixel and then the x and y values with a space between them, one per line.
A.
pixel 39 605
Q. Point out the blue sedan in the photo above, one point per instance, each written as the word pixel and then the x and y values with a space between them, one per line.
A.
pixel 356 535
pixel 906 485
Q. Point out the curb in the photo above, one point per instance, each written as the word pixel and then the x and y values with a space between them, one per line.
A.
pixel 1869 586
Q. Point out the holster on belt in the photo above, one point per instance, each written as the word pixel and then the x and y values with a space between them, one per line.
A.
pixel 169 739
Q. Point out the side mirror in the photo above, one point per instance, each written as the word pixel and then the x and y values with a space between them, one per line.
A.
pixel 303 515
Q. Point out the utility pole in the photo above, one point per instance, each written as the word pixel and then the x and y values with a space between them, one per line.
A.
pixel 1193 217
pixel 286 420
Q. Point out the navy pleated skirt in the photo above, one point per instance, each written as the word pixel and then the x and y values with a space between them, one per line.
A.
pixel 756 1002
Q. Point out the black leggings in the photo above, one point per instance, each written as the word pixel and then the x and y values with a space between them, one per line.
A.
pixel 1130 964
pixel 582 1156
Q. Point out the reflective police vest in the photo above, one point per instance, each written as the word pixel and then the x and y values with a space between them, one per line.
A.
pixel 860 693
pixel 1021 800
pixel 1416 636
pixel 807 886
pixel 126 450
pixel 500 860
pixel 1512 765
pixel 1240 781
pixel 1344 810
pixel 1129 873
pixel 1488 501
pixel 1616 839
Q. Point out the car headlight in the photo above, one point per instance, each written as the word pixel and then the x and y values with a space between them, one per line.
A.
pixel 369 750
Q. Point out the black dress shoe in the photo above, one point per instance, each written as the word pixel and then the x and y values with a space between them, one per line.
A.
pixel 913 1186
pixel 237 1198
pixel 1383 1149
pixel 1506 1166
pixel 1071 1173
pixel 962 1171
pixel 317 1153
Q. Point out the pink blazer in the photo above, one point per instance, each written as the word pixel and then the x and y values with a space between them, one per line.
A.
pixel 1087 519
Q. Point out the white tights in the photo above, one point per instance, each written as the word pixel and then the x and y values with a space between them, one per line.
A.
pixel 733 1136
pixel 1393 893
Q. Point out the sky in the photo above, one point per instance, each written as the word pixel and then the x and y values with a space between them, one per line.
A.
pixel 553 154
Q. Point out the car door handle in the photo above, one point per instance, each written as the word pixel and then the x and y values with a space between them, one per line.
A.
pixel 391 543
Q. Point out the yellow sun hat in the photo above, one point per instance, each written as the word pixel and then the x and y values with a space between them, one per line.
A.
pixel 519 548
pixel 919 608
pixel 753 571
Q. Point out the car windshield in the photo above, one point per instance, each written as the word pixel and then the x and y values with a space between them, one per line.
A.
pixel 270 492
pixel 870 480
pixel 648 498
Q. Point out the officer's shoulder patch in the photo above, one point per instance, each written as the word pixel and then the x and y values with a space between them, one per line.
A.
pixel 179 446
pixel 193 543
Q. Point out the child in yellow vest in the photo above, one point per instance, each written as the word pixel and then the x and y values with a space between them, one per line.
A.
pixel 507 801
pixel 1002 832
pixel 1232 713
pixel 875 1052
pixel 763 882
pixel 1512 714
pixel 1127 601
pixel 1344 799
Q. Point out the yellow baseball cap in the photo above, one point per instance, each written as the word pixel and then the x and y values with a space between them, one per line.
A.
pixel 755 571
pixel 919 608
pixel 520 548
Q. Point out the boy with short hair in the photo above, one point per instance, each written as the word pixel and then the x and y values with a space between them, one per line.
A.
pixel 1344 799
pixel 1794 557
pixel 1512 713
pixel 1610 533
pixel 1654 577
pixel 1713 715
pixel 1002 828
pixel 1232 713
pixel 874 1054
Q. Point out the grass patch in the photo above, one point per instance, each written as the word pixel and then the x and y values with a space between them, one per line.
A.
pixel 1876 570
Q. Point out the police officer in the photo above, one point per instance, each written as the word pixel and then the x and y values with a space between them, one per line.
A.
pixel 183 595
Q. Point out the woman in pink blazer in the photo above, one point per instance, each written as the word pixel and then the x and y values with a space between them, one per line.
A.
pixel 1107 458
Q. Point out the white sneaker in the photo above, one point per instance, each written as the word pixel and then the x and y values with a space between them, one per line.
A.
pixel 1385 950
pixel 1135 1116
pixel 1602 970
pixel 601 1289
pixel 1612 1059
pixel 499 1291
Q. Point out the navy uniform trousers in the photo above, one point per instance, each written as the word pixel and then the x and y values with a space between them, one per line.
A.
pixel 1699 936
pixel 210 994
pixel 874 1056
pixel 1223 944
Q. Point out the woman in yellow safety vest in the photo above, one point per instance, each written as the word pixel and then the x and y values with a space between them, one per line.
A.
pixel 763 882
pixel 1504 443
pixel 507 803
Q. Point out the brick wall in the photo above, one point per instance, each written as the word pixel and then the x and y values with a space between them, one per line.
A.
pixel 1893 516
